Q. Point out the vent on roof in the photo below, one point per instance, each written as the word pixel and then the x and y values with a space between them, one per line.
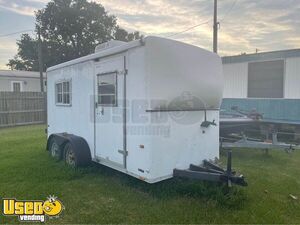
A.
pixel 109 44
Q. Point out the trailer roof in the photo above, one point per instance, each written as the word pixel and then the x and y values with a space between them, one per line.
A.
pixel 111 51
pixel 106 52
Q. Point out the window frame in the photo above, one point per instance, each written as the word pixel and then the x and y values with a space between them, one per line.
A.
pixel 115 76
pixel 18 82
pixel 62 92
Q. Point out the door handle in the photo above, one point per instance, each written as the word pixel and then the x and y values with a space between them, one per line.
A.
pixel 101 111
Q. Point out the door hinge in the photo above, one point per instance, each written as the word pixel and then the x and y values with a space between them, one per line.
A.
pixel 123 152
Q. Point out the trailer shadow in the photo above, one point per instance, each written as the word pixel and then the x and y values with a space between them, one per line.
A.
pixel 233 198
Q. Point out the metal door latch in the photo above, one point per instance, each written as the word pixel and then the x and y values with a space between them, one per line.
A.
pixel 123 152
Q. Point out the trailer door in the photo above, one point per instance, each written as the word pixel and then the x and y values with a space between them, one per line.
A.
pixel 109 111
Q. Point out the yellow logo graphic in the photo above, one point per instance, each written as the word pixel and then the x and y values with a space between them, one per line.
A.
pixel 33 210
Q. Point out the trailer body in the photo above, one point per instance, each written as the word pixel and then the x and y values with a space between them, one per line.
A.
pixel 140 105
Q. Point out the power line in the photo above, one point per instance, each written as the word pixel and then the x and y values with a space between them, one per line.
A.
pixel 191 28
pixel 18 32
pixel 229 11
pixel 180 32
pixel 188 29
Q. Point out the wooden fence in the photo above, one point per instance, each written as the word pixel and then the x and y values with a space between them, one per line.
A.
pixel 22 108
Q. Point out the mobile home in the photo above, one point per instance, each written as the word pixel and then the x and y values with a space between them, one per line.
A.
pixel 266 81
pixel 144 108
pixel 20 81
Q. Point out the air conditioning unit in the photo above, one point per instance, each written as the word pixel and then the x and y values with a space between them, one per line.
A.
pixel 109 44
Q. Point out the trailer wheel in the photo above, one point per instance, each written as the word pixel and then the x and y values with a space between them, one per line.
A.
pixel 70 156
pixel 74 150
pixel 54 150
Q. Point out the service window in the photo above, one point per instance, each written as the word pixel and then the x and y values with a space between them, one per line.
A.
pixel 107 89
pixel 63 93
pixel 265 79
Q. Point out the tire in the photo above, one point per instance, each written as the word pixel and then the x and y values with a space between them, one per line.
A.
pixel 71 158
pixel 55 150
pixel 75 158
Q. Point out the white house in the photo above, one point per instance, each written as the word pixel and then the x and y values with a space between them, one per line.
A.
pixel 19 81
pixel 263 75
pixel 268 82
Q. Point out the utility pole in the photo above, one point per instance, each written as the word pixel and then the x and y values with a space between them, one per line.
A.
pixel 215 41
pixel 40 58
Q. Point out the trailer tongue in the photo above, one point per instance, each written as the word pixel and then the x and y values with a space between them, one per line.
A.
pixel 212 172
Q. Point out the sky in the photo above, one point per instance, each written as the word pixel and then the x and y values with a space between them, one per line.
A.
pixel 245 25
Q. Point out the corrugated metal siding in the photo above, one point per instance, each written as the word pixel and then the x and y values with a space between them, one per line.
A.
pixel 292 78
pixel 235 80
pixel 274 109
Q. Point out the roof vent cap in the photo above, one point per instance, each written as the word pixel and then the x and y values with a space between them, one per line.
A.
pixel 109 44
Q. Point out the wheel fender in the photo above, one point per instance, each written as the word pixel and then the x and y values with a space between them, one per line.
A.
pixel 79 145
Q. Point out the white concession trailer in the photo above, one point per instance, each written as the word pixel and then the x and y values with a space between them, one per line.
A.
pixel 145 108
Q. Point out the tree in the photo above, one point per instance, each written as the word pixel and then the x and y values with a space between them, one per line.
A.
pixel 123 35
pixel 69 29
pixel 26 59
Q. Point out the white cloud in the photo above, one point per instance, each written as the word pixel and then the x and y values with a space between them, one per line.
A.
pixel 250 24
pixel 22 7
pixel 8 48
pixel 28 11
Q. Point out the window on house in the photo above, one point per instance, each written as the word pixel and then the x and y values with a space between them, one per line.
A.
pixel 16 86
pixel 63 93
pixel 107 89
pixel 265 79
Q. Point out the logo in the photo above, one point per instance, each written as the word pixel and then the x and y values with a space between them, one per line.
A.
pixel 33 210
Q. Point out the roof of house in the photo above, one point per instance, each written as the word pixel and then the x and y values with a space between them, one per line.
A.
pixel 20 74
pixel 262 56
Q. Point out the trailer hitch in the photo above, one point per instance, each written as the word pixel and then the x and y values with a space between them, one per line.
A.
pixel 212 172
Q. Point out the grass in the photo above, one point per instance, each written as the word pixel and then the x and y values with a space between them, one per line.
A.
pixel 100 195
